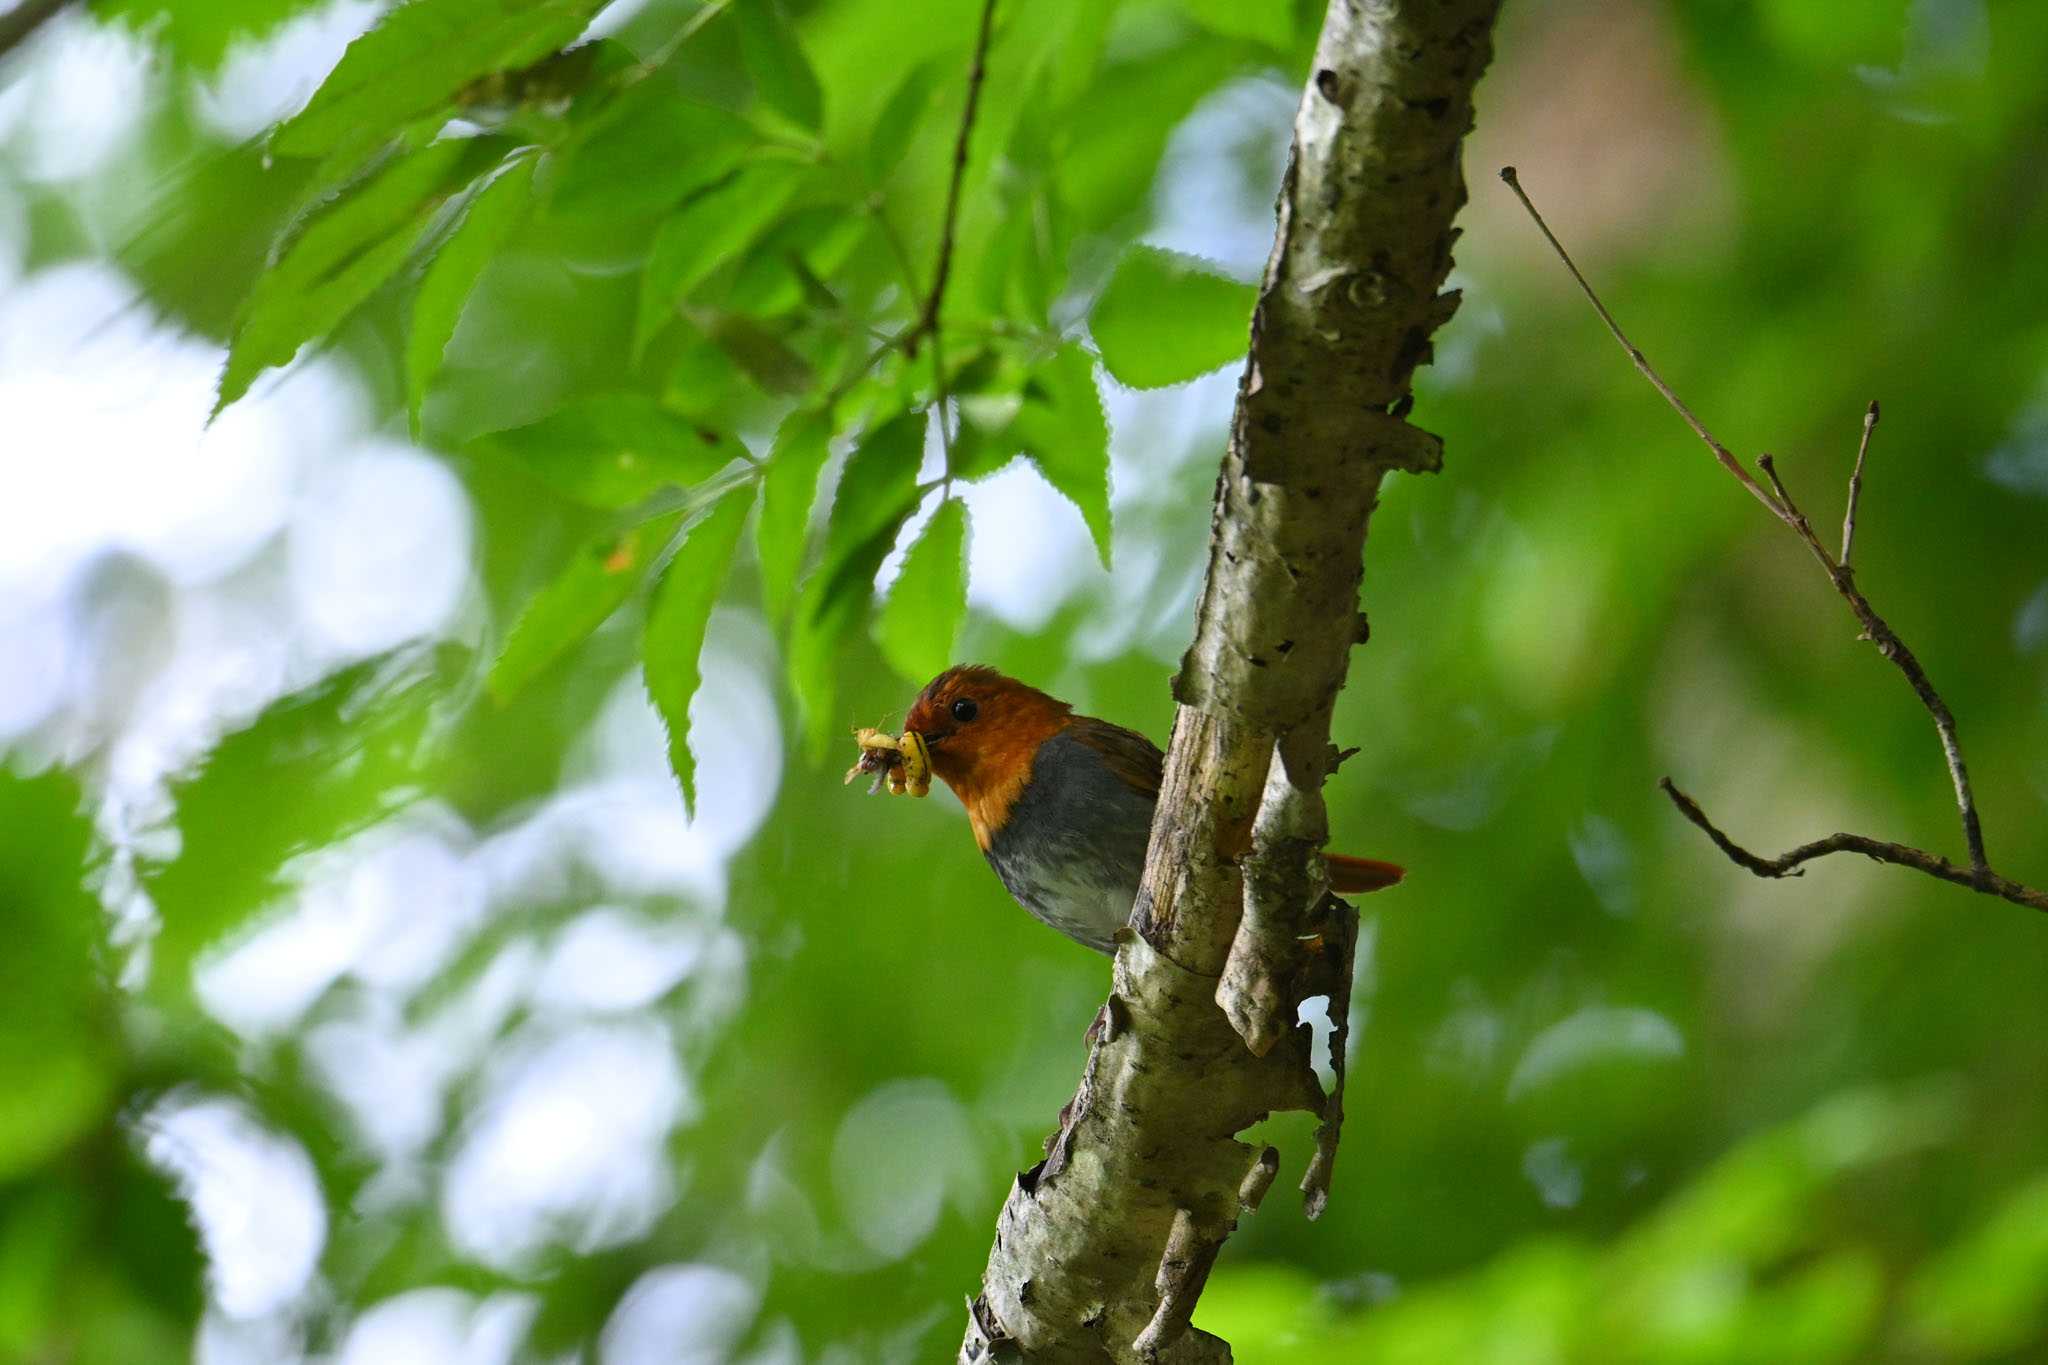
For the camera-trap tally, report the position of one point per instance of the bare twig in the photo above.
(1879, 632)
(1979, 875)
(1642, 363)
(1770, 469)
(19, 24)
(1789, 864)
(928, 321)
(1856, 484)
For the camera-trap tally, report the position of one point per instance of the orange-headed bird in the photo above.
(1061, 804)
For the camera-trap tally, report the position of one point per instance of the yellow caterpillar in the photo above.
(902, 758)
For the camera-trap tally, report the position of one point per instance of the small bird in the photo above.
(1061, 804)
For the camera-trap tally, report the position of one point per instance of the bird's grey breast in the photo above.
(1073, 848)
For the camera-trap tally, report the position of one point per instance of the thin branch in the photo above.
(1888, 643)
(928, 320)
(1876, 629)
(1770, 468)
(1879, 632)
(1789, 864)
(19, 24)
(1642, 363)
(1856, 484)
(927, 324)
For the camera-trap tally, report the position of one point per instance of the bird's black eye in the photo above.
(965, 710)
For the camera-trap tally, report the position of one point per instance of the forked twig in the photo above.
(1642, 363)
(1789, 863)
(1978, 876)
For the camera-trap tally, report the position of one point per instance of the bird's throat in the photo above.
(989, 777)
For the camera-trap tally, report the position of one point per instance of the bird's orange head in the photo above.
(983, 731)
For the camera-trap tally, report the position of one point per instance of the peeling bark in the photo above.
(1102, 1249)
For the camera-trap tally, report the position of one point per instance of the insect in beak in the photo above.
(903, 761)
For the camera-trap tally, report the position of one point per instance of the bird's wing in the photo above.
(1139, 763)
(1127, 753)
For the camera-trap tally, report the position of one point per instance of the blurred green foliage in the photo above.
(96, 1260)
(1610, 1099)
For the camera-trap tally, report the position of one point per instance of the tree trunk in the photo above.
(1102, 1249)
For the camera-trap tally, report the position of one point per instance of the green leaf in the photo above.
(676, 620)
(599, 578)
(613, 450)
(1063, 431)
(58, 1089)
(156, 1248)
(493, 214)
(651, 151)
(337, 259)
(877, 493)
(989, 391)
(921, 620)
(817, 240)
(1124, 119)
(894, 127)
(709, 231)
(1271, 24)
(782, 75)
(314, 767)
(200, 34)
(789, 487)
(768, 360)
(42, 1223)
(58, 1065)
(1167, 318)
(1019, 277)
(704, 382)
(417, 59)
(829, 612)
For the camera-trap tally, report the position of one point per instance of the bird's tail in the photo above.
(1349, 876)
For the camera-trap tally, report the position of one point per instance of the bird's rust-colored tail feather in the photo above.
(1350, 876)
